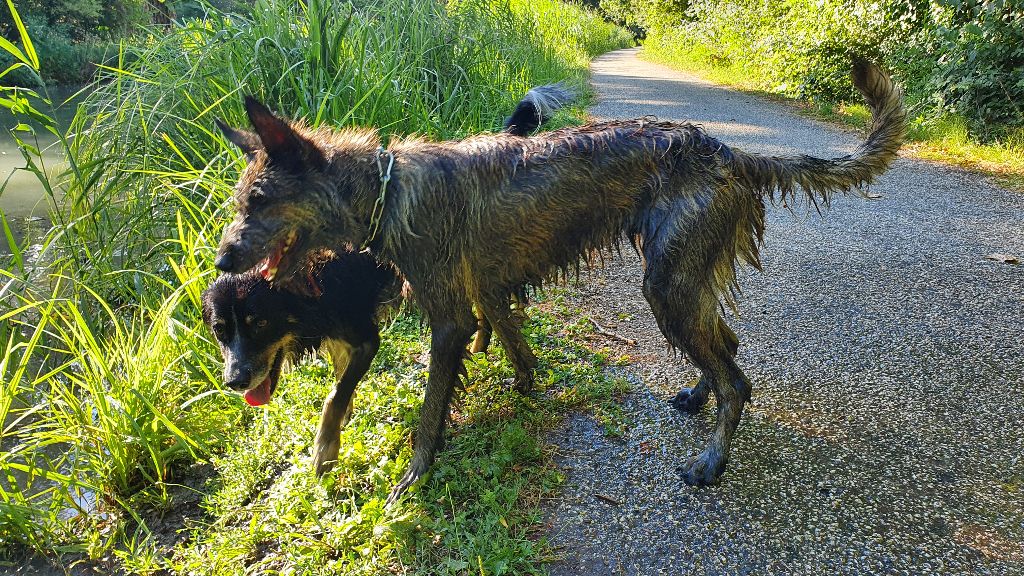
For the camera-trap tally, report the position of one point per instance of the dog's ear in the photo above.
(282, 143)
(247, 142)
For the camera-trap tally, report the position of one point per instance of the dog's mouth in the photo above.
(260, 394)
(279, 257)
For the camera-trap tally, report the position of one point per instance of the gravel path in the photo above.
(886, 434)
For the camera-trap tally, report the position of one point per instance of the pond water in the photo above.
(24, 203)
(23, 199)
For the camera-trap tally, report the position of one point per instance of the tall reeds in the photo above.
(106, 376)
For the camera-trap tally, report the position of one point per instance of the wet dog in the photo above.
(259, 328)
(334, 306)
(470, 222)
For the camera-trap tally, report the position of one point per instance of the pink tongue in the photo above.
(271, 262)
(259, 395)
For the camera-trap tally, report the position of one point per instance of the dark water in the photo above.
(23, 199)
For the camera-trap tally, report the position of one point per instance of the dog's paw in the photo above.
(691, 400)
(704, 469)
(523, 384)
(325, 454)
(408, 479)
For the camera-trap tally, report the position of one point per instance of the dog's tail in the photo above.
(537, 106)
(819, 178)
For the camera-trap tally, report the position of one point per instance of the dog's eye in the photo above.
(257, 195)
(220, 331)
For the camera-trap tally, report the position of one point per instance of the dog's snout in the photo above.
(225, 262)
(238, 379)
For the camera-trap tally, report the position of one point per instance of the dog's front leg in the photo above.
(447, 348)
(350, 365)
(508, 325)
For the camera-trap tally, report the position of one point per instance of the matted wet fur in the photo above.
(472, 221)
(333, 305)
(259, 328)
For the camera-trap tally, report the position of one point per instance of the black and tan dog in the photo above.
(472, 221)
(335, 305)
(259, 327)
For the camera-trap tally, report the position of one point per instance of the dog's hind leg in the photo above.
(508, 325)
(684, 248)
(448, 338)
(697, 329)
(482, 339)
(350, 365)
(691, 400)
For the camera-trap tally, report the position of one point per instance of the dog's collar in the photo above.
(378, 205)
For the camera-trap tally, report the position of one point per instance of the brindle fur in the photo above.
(333, 305)
(472, 221)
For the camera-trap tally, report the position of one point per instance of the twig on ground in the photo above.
(605, 332)
(607, 498)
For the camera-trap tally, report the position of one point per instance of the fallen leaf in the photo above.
(1004, 258)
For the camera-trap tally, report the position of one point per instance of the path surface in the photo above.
(887, 430)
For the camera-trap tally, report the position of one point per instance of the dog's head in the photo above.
(290, 200)
(254, 328)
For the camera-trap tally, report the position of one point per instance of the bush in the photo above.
(71, 36)
(965, 58)
(979, 72)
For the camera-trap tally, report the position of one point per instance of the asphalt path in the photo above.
(886, 434)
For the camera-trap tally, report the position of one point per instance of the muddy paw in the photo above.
(523, 385)
(691, 400)
(408, 479)
(704, 469)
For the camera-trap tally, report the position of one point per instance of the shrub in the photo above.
(979, 71)
(965, 58)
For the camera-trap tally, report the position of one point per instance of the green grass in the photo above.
(110, 404)
(944, 138)
(477, 512)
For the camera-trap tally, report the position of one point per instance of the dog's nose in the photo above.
(224, 261)
(238, 379)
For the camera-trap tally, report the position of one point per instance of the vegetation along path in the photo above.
(885, 433)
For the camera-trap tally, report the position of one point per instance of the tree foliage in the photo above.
(953, 56)
(979, 69)
(75, 35)
(83, 19)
